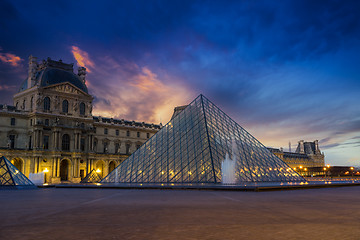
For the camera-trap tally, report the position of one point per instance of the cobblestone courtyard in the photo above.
(331, 213)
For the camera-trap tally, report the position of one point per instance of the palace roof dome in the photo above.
(55, 72)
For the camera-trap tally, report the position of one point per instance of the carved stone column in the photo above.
(58, 168)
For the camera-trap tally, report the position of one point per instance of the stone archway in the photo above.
(64, 170)
(112, 166)
(18, 163)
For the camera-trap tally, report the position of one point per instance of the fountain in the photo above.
(228, 167)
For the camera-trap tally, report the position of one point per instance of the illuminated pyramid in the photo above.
(92, 177)
(191, 147)
(11, 176)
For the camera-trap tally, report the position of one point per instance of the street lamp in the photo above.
(45, 171)
(352, 171)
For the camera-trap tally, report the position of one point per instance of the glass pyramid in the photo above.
(191, 147)
(11, 176)
(92, 177)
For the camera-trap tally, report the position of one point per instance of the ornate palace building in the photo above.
(307, 154)
(51, 128)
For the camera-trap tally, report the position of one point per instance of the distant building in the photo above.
(307, 154)
(51, 127)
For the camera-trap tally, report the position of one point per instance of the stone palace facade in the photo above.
(307, 154)
(51, 128)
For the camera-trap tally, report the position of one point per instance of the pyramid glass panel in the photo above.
(191, 147)
(11, 176)
(92, 177)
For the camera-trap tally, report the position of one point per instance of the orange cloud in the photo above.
(82, 58)
(141, 96)
(10, 58)
(6, 87)
(147, 81)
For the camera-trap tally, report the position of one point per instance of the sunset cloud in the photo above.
(6, 87)
(135, 93)
(10, 58)
(82, 58)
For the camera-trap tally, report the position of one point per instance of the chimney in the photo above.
(289, 146)
(82, 74)
(301, 146)
(32, 71)
(317, 146)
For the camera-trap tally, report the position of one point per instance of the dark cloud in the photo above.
(284, 64)
(7, 13)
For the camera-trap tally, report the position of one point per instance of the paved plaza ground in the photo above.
(328, 213)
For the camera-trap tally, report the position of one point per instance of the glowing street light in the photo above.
(45, 171)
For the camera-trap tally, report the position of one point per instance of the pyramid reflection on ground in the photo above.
(191, 147)
(11, 176)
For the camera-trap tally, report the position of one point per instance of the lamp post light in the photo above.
(45, 171)
(325, 171)
(352, 171)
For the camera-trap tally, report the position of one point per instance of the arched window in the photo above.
(65, 142)
(82, 108)
(65, 106)
(31, 103)
(46, 104)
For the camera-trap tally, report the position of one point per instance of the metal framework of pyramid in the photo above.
(191, 147)
(92, 177)
(11, 176)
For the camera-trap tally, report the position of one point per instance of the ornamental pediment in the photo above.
(67, 88)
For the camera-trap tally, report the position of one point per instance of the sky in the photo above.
(284, 70)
